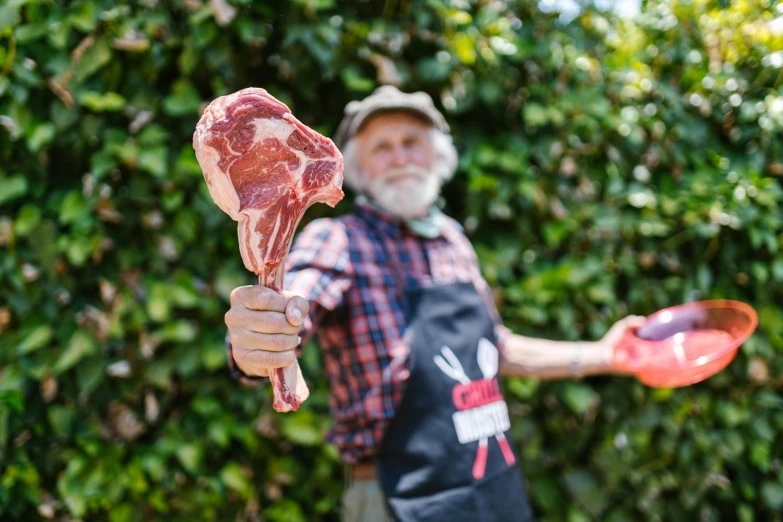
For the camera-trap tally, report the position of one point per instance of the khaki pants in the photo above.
(363, 502)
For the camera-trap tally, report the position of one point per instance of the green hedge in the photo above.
(607, 168)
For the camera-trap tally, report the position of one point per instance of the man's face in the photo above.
(395, 157)
(393, 140)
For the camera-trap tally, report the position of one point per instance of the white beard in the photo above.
(406, 198)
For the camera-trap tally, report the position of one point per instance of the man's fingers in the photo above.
(258, 298)
(637, 319)
(256, 362)
(247, 340)
(296, 310)
(631, 321)
(260, 322)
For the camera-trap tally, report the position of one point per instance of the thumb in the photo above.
(627, 356)
(296, 309)
(632, 321)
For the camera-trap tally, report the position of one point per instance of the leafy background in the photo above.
(608, 167)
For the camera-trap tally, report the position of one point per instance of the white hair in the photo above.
(443, 166)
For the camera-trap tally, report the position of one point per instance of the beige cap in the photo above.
(384, 99)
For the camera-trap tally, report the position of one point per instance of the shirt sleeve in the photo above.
(318, 269)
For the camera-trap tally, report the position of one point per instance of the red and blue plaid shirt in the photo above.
(353, 270)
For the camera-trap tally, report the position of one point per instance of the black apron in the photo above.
(446, 455)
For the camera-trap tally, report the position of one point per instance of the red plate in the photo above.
(685, 344)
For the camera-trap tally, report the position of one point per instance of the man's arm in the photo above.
(547, 359)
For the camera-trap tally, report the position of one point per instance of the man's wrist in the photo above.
(577, 371)
(594, 358)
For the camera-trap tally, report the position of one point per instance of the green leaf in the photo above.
(77, 505)
(744, 513)
(159, 373)
(80, 345)
(535, 115)
(585, 489)
(219, 433)
(353, 80)
(95, 58)
(12, 188)
(227, 279)
(36, 339)
(183, 100)
(123, 513)
(546, 494)
(206, 406)
(772, 495)
(27, 219)
(158, 306)
(29, 32)
(84, 19)
(315, 5)
(42, 135)
(464, 47)
(579, 397)
(763, 429)
(285, 510)
(732, 414)
(187, 163)
(90, 373)
(73, 208)
(42, 241)
(13, 399)
(184, 297)
(155, 161)
(300, 429)
(59, 36)
(760, 456)
(190, 455)
(180, 331)
(213, 356)
(9, 16)
(78, 250)
(603, 294)
(61, 419)
(152, 135)
(523, 388)
(433, 70)
(234, 478)
(95, 101)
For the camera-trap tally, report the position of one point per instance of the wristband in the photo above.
(576, 369)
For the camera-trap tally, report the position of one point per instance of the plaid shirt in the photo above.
(353, 270)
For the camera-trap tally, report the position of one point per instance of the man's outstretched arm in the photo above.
(546, 359)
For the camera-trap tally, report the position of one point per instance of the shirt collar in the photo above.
(429, 227)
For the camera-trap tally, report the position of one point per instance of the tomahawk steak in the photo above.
(264, 168)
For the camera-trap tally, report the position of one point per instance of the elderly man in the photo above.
(411, 338)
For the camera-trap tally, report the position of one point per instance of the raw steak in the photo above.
(264, 168)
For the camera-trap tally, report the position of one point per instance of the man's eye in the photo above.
(383, 147)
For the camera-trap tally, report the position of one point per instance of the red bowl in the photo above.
(685, 344)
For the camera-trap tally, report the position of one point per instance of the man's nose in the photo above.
(399, 155)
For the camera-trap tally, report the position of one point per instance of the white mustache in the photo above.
(411, 170)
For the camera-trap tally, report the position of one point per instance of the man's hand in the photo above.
(263, 328)
(609, 341)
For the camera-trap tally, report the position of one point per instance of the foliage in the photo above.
(608, 167)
